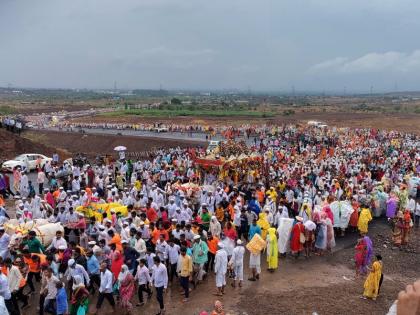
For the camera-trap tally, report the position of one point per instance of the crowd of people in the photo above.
(170, 222)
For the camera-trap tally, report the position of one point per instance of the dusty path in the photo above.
(325, 285)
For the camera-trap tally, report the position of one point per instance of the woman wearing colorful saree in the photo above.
(126, 289)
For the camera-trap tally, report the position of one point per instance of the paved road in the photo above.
(173, 135)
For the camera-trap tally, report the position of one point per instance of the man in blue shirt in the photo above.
(61, 299)
(254, 229)
(93, 271)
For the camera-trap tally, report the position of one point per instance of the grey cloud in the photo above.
(265, 44)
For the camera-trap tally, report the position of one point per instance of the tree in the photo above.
(176, 101)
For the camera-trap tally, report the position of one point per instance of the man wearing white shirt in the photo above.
(40, 180)
(57, 241)
(160, 281)
(171, 207)
(140, 245)
(5, 293)
(161, 246)
(49, 290)
(172, 252)
(143, 278)
(105, 289)
(237, 263)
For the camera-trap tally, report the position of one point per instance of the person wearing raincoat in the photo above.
(263, 224)
(364, 218)
(272, 249)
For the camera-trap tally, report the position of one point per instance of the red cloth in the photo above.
(231, 233)
(116, 264)
(329, 213)
(360, 254)
(49, 198)
(151, 214)
(295, 244)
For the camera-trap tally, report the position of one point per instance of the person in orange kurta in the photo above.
(164, 232)
(115, 239)
(151, 214)
(296, 246)
(154, 233)
(34, 263)
(56, 194)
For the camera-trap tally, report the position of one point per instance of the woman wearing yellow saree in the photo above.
(373, 280)
(272, 250)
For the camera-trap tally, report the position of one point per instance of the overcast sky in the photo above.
(214, 44)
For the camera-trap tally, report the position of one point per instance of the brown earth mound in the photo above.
(13, 145)
(93, 145)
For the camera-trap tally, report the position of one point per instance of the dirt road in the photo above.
(325, 285)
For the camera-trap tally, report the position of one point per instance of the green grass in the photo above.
(186, 112)
(7, 110)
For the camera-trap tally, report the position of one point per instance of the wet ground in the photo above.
(325, 285)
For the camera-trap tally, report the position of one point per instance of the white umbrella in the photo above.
(120, 148)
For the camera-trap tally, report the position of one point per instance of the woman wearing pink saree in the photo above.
(126, 289)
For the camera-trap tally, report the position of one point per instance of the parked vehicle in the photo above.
(27, 161)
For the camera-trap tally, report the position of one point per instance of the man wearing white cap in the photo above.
(62, 197)
(75, 184)
(220, 268)
(210, 201)
(171, 207)
(200, 257)
(74, 269)
(237, 263)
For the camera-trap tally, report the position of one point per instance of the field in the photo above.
(186, 112)
(405, 122)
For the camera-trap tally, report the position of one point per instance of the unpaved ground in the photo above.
(93, 145)
(318, 285)
(325, 285)
(13, 145)
(390, 121)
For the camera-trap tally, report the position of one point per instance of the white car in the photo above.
(161, 129)
(26, 162)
